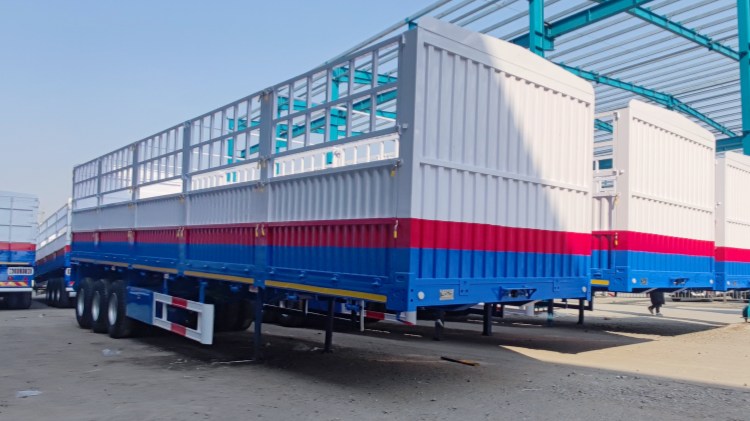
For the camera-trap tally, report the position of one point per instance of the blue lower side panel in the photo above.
(732, 276)
(140, 305)
(20, 257)
(53, 267)
(406, 278)
(630, 271)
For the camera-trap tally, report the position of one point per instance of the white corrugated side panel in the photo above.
(120, 216)
(502, 136)
(733, 212)
(227, 205)
(18, 213)
(343, 194)
(54, 232)
(161, 212)
(668, 184)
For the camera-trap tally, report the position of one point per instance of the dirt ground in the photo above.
(623, 364)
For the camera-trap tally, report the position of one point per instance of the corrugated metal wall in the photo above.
(498, 143)
(733, 212)
(668, 183)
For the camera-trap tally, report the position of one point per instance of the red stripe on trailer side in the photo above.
(17, 246)
(178, 329)
(179, 302)
(652, 243)
(731, 254)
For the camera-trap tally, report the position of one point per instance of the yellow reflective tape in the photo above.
(220, 277)
(155, 268)
(600, 282)
(328, 291)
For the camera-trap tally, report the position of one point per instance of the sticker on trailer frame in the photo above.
(67, 271)
(447, 294)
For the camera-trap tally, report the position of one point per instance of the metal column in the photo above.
(487, 319)
(743, 26)
(536, 27)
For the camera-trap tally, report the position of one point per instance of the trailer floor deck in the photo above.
(624, 364)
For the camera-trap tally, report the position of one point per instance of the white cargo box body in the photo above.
(732, 222)
(473, 188)
(654, 210)
(18, 213)
(53, 243)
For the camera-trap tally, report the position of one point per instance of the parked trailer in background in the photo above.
(18, 213)
(53, 258)
(654, 209)
(732, 222)
(437, 169)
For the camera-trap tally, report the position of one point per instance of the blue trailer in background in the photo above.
(53, 274)
(18, 213)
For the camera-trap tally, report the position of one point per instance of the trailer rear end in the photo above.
(732, 223)
(654, 205)
(18, 213)
(53, 258)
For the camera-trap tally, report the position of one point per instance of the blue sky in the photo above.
(80, 78)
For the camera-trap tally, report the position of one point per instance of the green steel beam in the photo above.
(604, 10)
(666, 100)
(537, 33)
(743, 35)
(729, 144)
(687, 33)
(603, 126)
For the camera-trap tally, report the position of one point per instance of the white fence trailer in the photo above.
(732, 222)
(18, 213)
(653, 210)
(53, 258)
(437, 169)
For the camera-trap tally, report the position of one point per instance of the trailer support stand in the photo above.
(439, 325)
(258, 322)
(329, 326)
(581, 309)
(487, 320)
(550, 312)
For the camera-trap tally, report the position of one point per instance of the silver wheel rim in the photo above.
(112, 310)
(95, 306)
(80, 303)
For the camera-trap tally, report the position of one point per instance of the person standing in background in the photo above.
(657, 300)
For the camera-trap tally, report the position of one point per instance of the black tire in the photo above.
(83, 303)
(225, 316)
(64, 299)
(99, 306)
(47, 294)
(55, 293)
(118, 323)
(23, 301)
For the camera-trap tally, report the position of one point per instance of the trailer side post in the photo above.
(580, 311)
(487, 319)
(550, 312)
(439, 325)
(257, 333)
(329, 326)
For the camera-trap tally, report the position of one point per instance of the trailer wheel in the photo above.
(118, 324)
(47, 295)
(99, 306)
(63, 299)
(83, 303)
(55, 293)
(23, 301)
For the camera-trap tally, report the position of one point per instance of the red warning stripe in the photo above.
(179, 302)
(178, 329)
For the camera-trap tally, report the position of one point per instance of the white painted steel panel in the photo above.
(54, 232)
(733, 202)
(18, 213)
(161, 212)
(665, 181)
(228, 205)
(339, 194)
(501, 136)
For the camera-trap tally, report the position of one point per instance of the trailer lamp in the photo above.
(634, 281)
(420, 295)
(711, 281)
(584, 289)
